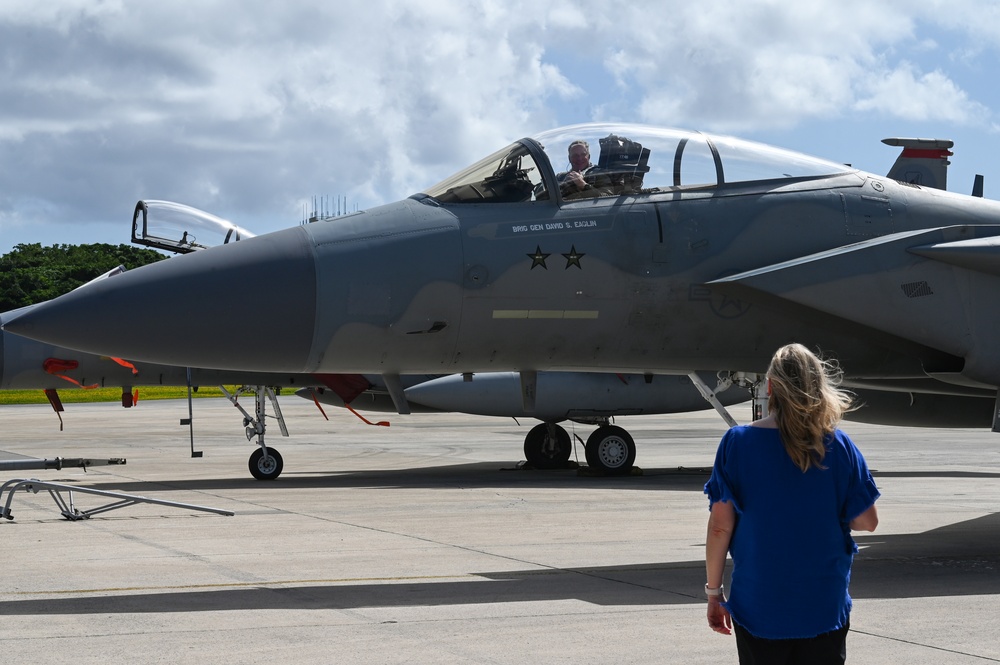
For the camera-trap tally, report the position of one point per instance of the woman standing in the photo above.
(784, 495)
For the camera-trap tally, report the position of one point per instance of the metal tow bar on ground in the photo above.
(71, 512)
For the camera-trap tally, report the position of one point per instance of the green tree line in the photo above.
(31, 273)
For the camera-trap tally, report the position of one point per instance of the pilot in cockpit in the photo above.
(574, 183)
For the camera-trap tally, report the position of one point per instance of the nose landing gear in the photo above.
(265, 463)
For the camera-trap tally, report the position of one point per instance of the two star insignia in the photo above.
(539, 257)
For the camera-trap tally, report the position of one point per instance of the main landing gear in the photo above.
(609, 449)
(265, 463)
(547, 446)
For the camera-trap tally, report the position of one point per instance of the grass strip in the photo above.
(71, 395)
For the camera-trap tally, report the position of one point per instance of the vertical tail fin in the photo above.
(922, 161)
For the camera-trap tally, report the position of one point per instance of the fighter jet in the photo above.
(593, 399)
(674, 250)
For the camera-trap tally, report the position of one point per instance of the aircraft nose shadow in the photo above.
(958, 559)
(627, 585)
(476, 474)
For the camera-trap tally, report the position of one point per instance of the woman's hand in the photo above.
(718, 616)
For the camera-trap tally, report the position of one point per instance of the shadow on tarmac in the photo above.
(959, 559)
(450, 476)
(478, 474)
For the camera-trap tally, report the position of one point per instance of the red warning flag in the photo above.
(56, 367)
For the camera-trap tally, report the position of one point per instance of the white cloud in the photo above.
(909, 94)
(247, 108)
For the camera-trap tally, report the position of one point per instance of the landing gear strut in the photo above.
(265, 463)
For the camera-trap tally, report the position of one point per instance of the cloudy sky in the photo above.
(248, 108)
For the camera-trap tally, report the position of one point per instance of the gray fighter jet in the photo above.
(586, 398)
(673, 250)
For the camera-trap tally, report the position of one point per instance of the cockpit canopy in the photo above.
(624, 160)
(181, 229)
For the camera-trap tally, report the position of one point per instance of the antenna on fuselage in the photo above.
(323, 209)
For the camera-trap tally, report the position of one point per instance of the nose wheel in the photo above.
(265, 464)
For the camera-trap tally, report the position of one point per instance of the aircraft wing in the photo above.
(936, 288)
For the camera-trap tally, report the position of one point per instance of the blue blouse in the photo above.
(791, 548)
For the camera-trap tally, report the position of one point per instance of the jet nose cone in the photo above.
(216, 308)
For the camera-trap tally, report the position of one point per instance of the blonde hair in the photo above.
(806, 402)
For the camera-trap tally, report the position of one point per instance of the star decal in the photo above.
(538, 258)
(729, 307)
(573, 258)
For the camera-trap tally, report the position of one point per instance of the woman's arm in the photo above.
(720, 531)
(866, 521)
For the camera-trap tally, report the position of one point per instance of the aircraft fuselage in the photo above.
(646, 280)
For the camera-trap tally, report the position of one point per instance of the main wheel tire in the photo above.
(265, 467)
(547, 446)
(611, 450)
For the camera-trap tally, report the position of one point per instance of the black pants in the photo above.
(826, 649)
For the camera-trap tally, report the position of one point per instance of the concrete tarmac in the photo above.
(420, 543)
